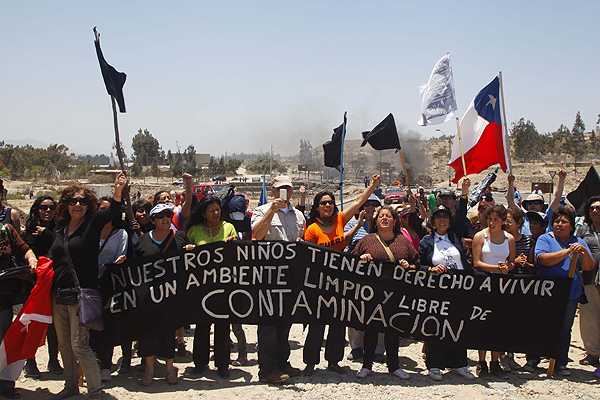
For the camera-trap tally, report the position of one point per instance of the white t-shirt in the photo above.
(445, 253)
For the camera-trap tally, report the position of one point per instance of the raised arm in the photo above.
(362, 198)
(261, 221)
(560, 187)
(510, 193)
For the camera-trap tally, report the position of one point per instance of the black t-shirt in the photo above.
(147, 247)
(84, 245)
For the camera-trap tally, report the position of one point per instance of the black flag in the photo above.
(384, 136)
(590, 186)
(113, 79)
(332, 149)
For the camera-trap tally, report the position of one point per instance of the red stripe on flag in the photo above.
(488, 151)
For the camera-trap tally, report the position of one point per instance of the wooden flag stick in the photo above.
(572, 268)
(121, 157)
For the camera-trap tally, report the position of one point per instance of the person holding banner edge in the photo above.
(326, 228)
(442, 251)
(553, 253)
(385, 243)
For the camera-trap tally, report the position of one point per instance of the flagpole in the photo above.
(120, 155)
(460, 146)
(506, 139)
(342, 164)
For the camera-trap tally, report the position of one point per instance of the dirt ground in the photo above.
(244, 384)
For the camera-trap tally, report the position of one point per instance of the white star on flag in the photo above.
(491, 101)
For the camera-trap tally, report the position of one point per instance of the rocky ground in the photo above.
(244, 384)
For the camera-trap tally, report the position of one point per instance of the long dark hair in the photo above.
(586, 210)
(314, 210)
(33, 219)
(198, 216)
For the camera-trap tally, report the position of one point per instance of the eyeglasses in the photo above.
(44, 207)
(326, 203)
(536, 202)
(84, 201)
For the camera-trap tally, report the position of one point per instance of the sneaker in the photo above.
(54, 367)
(505, 363)
(465, 372)
(355, 355)
(363, 373)
(496, 369)
(482, 369)
(435, 374)
(589, 360)
(31, 370)
(563, 371)
(400, 373)
(597, 373)
(530, 366)
(309, 370)
(274, 378)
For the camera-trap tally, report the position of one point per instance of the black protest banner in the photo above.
(253, 282)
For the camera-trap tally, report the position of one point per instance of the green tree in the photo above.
(526, 140)
(262, 164)
(146, 148)
(576, 143)
(189, 159)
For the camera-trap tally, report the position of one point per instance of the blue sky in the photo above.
(240, 76)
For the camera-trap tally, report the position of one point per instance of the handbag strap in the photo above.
(167, 243)
(386, 248)
(70, 260)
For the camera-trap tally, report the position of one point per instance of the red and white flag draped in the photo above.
(28, 330)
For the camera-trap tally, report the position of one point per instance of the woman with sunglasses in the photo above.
(75, 255)
(39, 235)
(326, 228)
(385, 243)
(159, 341)
(207, 226)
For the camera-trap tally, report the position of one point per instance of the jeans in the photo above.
(6, 316)
(273, 347)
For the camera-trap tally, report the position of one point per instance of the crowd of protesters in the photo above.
(82, 234)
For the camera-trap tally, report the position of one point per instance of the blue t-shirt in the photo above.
(547, 243)
(526, 230)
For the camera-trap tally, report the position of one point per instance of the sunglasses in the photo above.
(536, 202)
(326, 203)
(488, 197)
(594, 208)
(44, 207)
(84, 201)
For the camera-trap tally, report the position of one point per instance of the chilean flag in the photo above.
(483, 142)
(28, 330)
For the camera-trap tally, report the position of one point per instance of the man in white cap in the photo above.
(277, 220)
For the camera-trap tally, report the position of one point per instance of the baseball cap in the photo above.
(373, 199)
(160, 207)
(280, 181)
